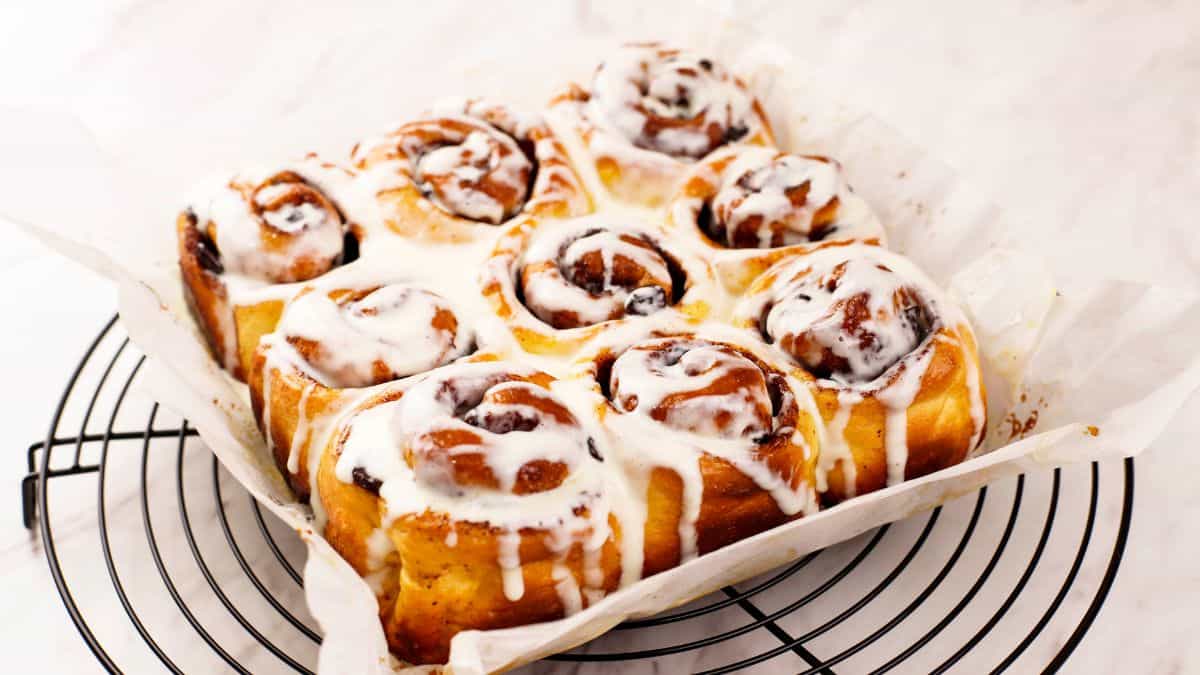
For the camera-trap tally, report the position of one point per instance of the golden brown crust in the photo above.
(209, 301)
(352, 513)
(447, 589)
(252, 322)
(204, 290)
(289, 388)
(734, 506)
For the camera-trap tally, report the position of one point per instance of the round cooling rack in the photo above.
(171, 563)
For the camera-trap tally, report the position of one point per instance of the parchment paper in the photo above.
(1077, 368)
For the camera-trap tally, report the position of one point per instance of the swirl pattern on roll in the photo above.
(670, 101)
(489, 429)
(587, 276)
(756, 197)
(488, 444)
(849, 320)
(724, 442)
(357, 338)
(281, 229)
(464, 166)
(695, 386)
(483, 479)
(891, 361)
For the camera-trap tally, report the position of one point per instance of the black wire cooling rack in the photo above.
(210, 583)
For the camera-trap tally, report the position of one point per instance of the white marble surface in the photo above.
(1078, 118)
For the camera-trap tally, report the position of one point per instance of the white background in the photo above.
(1082, 119)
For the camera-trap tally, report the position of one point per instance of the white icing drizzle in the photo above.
(569, 593)
(761, 197)
(324, 427)
(376, 334)
(515, 123)
(461, 164)
(593, 568)
(625, 490)
(287, 216)
(453, 175)
(278, 227)
(556, 182)
(428, 411)
(651, 445)
(669, 101)
(835, 450)
(509, 544)
(379, 546)
(689, 508)
(569, 119)
(646, 376)
(227, 334)
(549, 286)
(897, 398)
(300, 435)
(631, 511)
(855, 313)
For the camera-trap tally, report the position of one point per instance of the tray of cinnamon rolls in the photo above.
(516, 360)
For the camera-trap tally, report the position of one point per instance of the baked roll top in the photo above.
(755, 197)
(492, 497)
(650, 111)
(891, 360)
(556, 284)
(469, 162)
(718, 443)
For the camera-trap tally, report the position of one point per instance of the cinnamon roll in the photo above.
(891, 361)
(328, 341)
(722, 443)
(257, 229)
(651, 110)
(554, 285)
(754, 197)
(469, 163)
(491, 497)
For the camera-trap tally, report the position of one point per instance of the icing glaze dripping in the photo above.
(836, 451)
(300, 435)
(509, 558)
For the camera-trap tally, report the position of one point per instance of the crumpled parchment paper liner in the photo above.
(1099, 365)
